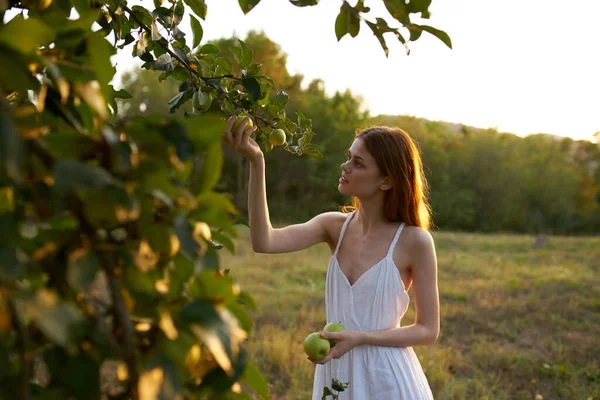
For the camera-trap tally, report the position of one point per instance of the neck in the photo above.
(370, 218)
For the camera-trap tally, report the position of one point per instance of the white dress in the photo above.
(376, 301)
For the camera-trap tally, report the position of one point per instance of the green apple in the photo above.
(333, 327)
(239, 120)
(277, 137)
(316, 347)
(201, 100)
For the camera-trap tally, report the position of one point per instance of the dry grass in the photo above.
(517, 322)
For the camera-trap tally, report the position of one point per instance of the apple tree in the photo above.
(110, 228)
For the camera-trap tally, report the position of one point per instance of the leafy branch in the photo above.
(24, 354)
(174, 54)
(337, 386)
(109, 263)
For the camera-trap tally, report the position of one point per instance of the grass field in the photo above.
(516, 322)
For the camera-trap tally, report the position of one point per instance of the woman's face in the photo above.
(360, 174)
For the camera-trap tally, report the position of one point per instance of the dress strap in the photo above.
(348, 218)
(393, 245)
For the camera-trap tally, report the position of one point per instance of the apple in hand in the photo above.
(238, 121)
(333, 327)
(316, 347)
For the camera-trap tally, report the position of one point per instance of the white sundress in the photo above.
(376, 301)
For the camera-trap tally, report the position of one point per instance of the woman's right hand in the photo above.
(240, 140)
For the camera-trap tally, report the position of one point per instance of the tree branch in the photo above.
(172, 53)
(122, 315)
(24, 350)
(108, 264)
(37, 147)
(266, 122)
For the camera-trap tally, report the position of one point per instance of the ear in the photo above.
(386, 184)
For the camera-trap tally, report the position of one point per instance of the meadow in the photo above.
(517, 322)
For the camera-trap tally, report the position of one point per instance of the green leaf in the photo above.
(176, 133)
(143, 15)
(58, 320)
(12, 264)
(185, 233)
(316, 154)
(247, 55)
(69, 144)
(76, 72)
(205, 129)
(354, 25)
(70, 175)
(252, 87)
(162, 63)
(379, 35)
(225, 64)
(82, 268)
(197, 30)
(200, 312)
(223, 241)
(347, 21)
(218, 329)
(12, 147)
(237, 54)
(211, 170)
(26, 36)
(280, 100)
(248, 5)
(247, 300)
(415, 32)
(180, 99)
(138, 282)
(415, 6)
(180, 73)
(326, 392)
(303, 122)
(338, 386)
(443, 36)
(398, 10)
(255, 379)
(170, 385)
(121, 94)
(14, 74)
(209, 48)
(304, 3)
(198, 7)
(211, 287)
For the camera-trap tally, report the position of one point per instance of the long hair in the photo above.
(398, 156)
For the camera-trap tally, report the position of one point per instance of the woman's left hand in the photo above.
(344, 342)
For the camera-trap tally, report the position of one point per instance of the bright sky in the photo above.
(521, 66)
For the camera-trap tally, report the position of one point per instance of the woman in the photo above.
(379, 249)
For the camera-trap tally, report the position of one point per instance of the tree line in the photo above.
(481, 180)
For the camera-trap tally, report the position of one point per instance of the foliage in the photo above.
(111, 227)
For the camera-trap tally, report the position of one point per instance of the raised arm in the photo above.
(263, 237)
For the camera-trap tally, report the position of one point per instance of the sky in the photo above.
(520, 66)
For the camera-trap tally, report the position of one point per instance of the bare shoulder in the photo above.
(333, 222)
(418, 236)
(418, 241)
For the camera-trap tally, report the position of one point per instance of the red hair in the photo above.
(398, 156)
